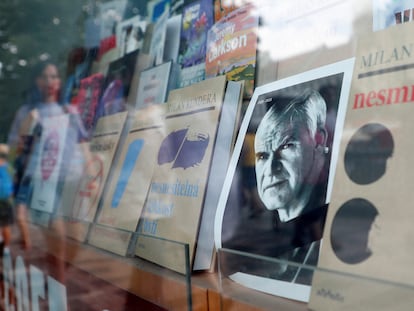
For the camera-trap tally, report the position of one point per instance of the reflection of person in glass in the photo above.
(291, 151)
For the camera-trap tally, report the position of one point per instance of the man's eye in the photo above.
(261, 156)
(287, 146)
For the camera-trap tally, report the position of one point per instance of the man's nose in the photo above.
(275, 163)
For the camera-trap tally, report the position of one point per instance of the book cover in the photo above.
(157, 38)
(277, 187)
(127, 189)
(367, 251)
(176, 194)
(172, 38)
(117, 85)
(191, 75)
(144, 61)
(102, 146)
(130, 34)
(107, 45)
(197, 19)
(226, 136)
(154, 84)
(232, 47)
(134, 168)
(87, 99)
(49, 154)
(156, 8)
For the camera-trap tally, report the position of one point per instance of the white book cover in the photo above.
(49, 161)
(130, 34)
(275, 195)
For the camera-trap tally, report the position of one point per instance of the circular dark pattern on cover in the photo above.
(350, 230)
(367, 153)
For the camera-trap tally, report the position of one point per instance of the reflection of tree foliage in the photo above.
(28, 30)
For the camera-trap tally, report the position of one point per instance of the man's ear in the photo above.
(321, 137)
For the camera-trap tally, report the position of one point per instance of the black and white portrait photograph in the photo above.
(276, 193)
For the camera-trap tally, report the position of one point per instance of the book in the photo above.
(156, 8)
(87, 99)
(143, 62)
(226, 136)
(176, 194)
(103, 145)
(197, 19)
(157, 38)
(49, 155)
(155, 83)
(127, 189)
(232, 47)
(117, 85)
(107, 45)
(172, 38)
(366, 254)
(130, 34)
(275, 194)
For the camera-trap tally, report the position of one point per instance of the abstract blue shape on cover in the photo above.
(131, 157)
(192, 152)
(170, 146)
(185, 152)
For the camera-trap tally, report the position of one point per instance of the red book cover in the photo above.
(106, 44)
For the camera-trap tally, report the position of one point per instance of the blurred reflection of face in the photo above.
(49, 83)
(284, 159)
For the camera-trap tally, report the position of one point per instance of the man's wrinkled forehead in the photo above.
(271, 132)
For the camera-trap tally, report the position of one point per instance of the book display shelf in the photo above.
(207, 155)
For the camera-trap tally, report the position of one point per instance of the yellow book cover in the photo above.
(176, 194)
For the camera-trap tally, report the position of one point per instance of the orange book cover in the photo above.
(232, 46)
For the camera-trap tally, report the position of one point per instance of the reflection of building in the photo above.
(389, 13)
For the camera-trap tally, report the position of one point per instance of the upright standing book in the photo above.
(232, 47)
(197, 19)
(130, 34)
(103, 145)
(127, 189)
(176, 194)
(154, 84)
(366, 257)
(117, 85)
(48, 163)
(275, 204)
(87, 99)
(226, 136)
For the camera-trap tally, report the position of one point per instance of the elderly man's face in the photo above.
(284, 159)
